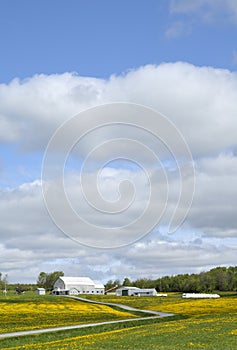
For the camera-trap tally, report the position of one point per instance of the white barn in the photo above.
(77, 285)
(134, 291)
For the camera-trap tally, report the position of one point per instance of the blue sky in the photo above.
(100, 38)
(58, 58)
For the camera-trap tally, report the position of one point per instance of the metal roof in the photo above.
(98, 284)
(77, 280)
(81, 281)
(137, 289)
(125, 287)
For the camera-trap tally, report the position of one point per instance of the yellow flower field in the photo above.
(19, 313)
(199, 324)
(175, 304)
(208, 333)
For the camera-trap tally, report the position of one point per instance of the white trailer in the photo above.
(200, 296)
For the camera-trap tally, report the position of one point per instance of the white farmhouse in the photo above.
(134, 291)
(77, 285)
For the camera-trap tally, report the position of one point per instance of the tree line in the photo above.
(217, 279)
(45, 280)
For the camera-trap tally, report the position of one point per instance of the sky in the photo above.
(60, 58)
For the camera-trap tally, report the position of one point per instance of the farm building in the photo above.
(77, 285)
(134, 291)
(200, 295)
(40, 291)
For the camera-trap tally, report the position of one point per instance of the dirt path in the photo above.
(63, 328)
(124, 307)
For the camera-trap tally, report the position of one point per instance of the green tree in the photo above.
(127, 282)
(109, 285)
(51, 279)
(112, 285)
(41, 281)
(47, 280)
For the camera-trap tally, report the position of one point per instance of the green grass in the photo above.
(31, 311)
(199, 324)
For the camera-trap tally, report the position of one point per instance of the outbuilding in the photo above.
(40, 291)
(77, 285)
(134, 291)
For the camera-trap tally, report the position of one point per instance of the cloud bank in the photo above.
(200, 101)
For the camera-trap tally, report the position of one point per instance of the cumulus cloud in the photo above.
(175, 256)
(41, 104)
(200, 101)
(31, 242)
(214, 207)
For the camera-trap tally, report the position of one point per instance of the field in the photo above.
(25, 312)
(198, 324)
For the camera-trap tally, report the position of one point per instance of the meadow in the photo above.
(198, 324)
(30, 311)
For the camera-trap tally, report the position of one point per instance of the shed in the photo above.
(134, 291)
(40, 291)
(77, 285)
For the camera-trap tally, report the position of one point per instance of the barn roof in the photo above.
(78, 280)
(125, 287)
(137, 289)
(98, 284)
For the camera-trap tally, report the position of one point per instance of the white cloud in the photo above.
(206, 10)
(201, 101)
(164, 257)
(177, 29)
(214, 207)
(33, 108)
(186, 14)
(31, 242)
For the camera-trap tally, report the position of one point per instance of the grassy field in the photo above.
(31, 311)
(198, 324)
